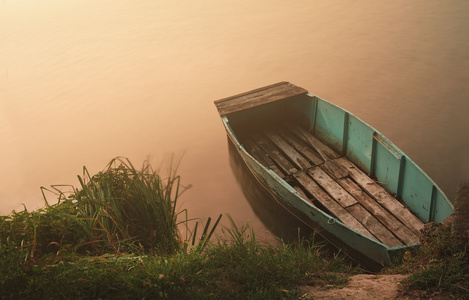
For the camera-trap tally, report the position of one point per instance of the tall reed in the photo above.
(126, 208)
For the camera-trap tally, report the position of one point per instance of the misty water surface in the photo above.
(83, 81)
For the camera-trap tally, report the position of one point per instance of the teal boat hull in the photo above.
(363, 145)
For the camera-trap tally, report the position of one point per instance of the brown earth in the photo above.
(362, 286)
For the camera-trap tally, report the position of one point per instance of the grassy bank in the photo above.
(116, 236)
(241, 269)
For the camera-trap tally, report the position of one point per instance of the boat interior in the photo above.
(331, 182)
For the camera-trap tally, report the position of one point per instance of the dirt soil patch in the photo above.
(362, 286)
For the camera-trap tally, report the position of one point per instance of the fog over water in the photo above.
(83, 81)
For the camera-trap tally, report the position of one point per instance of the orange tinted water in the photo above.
(84, 81)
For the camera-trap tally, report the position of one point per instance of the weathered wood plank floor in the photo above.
(350, 195)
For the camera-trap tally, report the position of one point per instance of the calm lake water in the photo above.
(83, 81)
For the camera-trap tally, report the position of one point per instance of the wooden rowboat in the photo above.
(333, 171)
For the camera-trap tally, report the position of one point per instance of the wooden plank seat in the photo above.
(258, 97)
(356, 200)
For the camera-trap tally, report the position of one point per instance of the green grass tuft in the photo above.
(126, 208)
(439, 266)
